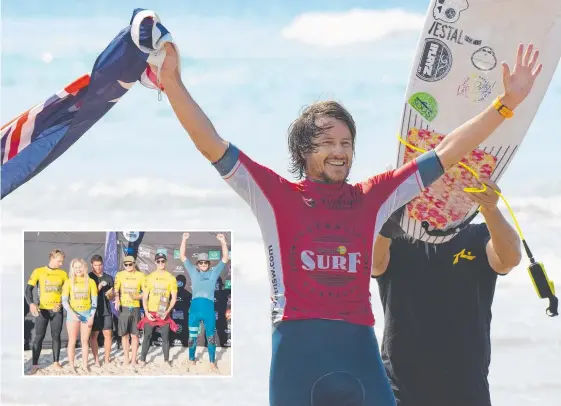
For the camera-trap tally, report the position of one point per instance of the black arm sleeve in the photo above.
(29, 294)
(391, 228)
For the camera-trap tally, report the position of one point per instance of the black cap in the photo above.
(160, 255)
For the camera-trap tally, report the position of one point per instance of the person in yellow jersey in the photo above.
(158, 288)
(50, 279)
(79, 298)
(128, 292)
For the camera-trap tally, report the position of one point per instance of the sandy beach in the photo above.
(155, 365)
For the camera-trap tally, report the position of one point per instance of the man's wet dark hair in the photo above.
(303, 131)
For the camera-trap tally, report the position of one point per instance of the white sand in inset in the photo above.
(155, 365)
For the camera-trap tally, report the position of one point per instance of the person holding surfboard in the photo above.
(318, 234)
(437, 299)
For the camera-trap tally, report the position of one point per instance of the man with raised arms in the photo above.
(203, 282)
(319, 233)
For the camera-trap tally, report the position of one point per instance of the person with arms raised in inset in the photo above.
(79, 298)
(128, 292)
(203, 282)
(50, 278)
(159, 286)
(103, 320)
(319, 233)
(437, 302)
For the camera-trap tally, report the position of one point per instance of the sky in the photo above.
(250, 87)
(251, 65)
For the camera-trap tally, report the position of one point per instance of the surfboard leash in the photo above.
(543, 286)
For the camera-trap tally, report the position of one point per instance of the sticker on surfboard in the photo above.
(476, 88)
(484, 59)
(456, 73)
(435, 61)
(449, 10)
(425, 105)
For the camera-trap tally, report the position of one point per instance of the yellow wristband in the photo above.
(502, 109)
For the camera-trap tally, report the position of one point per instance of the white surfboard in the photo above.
(456, 74)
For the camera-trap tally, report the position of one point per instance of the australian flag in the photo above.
(33, 140)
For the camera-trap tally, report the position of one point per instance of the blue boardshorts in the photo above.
(327, 363)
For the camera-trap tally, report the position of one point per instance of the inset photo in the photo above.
(129, 303)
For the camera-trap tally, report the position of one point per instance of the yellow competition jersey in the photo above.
(129, 282)
(50, 285)
(80, 294)
(159, 284)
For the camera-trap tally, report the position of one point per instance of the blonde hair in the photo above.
(72, 273)
(56, 252)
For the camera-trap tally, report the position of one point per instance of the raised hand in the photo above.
(185, 236)
(170, 67)
(221, 237)
(520, 81)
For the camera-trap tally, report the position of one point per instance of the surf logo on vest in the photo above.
(332, 259)
(435, 61)
(449, 10)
